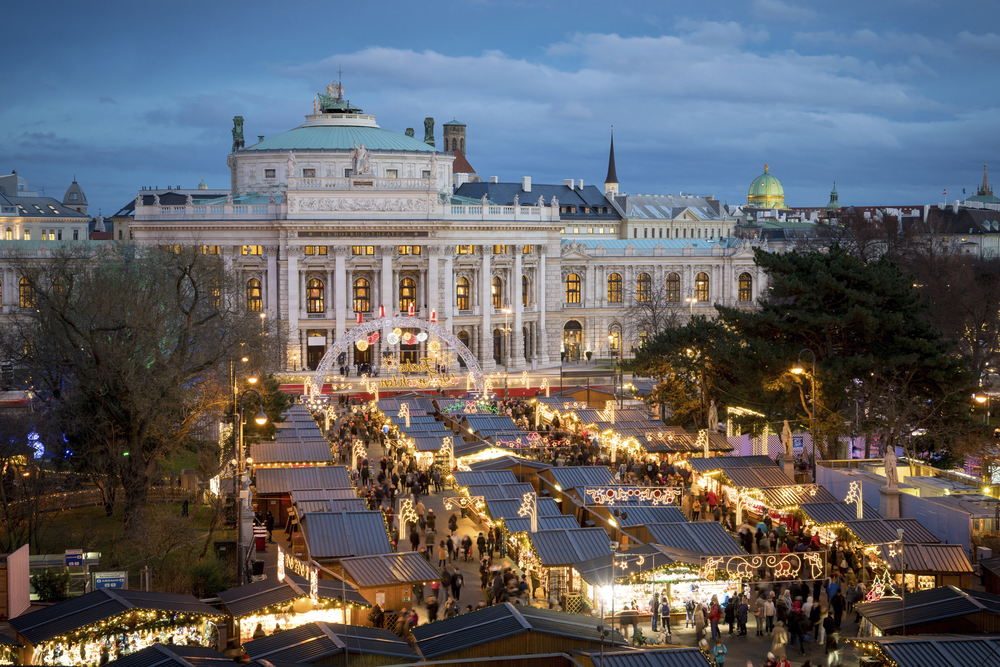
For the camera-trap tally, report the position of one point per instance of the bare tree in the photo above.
(649, 308)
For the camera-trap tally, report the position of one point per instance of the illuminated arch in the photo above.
(347, 340)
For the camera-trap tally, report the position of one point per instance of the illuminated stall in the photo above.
(289, 604)
(389, 579)
(106, 624)
(551, 556)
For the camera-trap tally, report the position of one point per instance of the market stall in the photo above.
(934, 611)
(288, 604)
(551, 556)
(273, 486)
(332, 644)
(924, 651)
(389, 579)
(93, 628)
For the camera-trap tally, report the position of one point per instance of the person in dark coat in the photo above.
(481, 545)
(269, 524)
(730, 613)
(414, 540)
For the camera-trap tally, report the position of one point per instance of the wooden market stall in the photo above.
(928, 565)
(331, 536)
(273, 486)
(389, 579)
(291, 454)
(111, 623)
(331, 644)
(926, 651)
(173, 655)
(551, 556)
(934, 611)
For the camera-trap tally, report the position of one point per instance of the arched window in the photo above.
(254, 302)
(498, 356)
(463, 338)
(673, 291)
(643, 288)
(26, 295)
(525, 292)
(701, 287)
(497, 292)
(614, 288)
(572, 288)
(746, 287)
(407, 294)
(10, 234)
(462, 294)
(59, 286)
(362, 296)
(314, 296)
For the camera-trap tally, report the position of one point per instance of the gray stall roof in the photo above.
(504, 509)
(703, 465)
(174, 655)
(344, 534)
(243, 600)
(313, 642)
(570, 477)
(929, 606)
(570, 546)
(876, 531)
(823, 514)
(483, 478)
(707, 537)
(388, 569)
(272, 481)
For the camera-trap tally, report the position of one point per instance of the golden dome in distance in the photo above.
(766, 192)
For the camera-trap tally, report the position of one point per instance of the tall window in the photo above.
(746, 287)
(501, 249)
(315, 249)
(497, 292)
(615, 288)
(362, 296)
(10, 234)
(409, 250)
(314, 296)
(363, 250)
(701, 287)
(465, 250)
(254, 302)
(26, 294)
(214, 293)
(462, 293)
(463, 338)
(528, 249)
(210, 250)
(572, 288)
(525, 295)
(407, 294)
(673, 288)
(252, 250)
(643, 288)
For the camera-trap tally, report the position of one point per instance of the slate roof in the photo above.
(501, 491)
(270, 481)
(483, 478)
(948, 558)
(823, 514)
(388, 569)
(935, 651)
(313, 642)
(340, 138)
(670, 207)
(278, 452)
(503, 194)
(502, 621)
(59, 619)
(570, 477)
(929, 606)
(506, 509)
(168, 655)
(250, 598)
(782, 497)
(569, 546)
(343, 534)
(509, 462)
(522, 525)
(708, 537)
(43, 207)
(703, 465)
(875, 531)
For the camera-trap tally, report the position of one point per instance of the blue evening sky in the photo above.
(894, 99)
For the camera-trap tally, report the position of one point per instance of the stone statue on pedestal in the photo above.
(786, 439)
(891, 476)
(713, 418)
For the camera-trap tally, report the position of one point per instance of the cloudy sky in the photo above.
(894, 99)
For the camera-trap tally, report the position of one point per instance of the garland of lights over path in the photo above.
(363, 330)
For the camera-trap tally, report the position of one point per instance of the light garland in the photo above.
(784, 565)
(529, 507)
(658, 495)
(854, 495)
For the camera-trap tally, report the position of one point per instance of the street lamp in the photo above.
(691, 301)
(506, 345)
(621, 371)
(797, 369)
(260, 419)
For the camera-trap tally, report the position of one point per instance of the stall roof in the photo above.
(344, 534)
(429, 443)
(272, 481)
(646, 514)
(666, 439)
(875, 531)
(249, 598)
(597, 571)
(492, 422)
(388, 569)
(508, 508)
(501, 491)
(463, 448)
(661, 657)
(413, 401)
(59, 619)
(502, 621)
(703, 465)
(950, 558)
(570, 546)
(781, 497)
(708, 537)
(570, 477)
(312, 642)
(300, 495)
(313, 451)
(622, 417)
(757, 478)
(935, 651)
(523, 525)
(331, 505)
(929, 606)
(507, 462)
(483, 478)
(824, 514)
(174, 655)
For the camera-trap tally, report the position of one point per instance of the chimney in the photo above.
(954, 207)
(526, 183)
(568, 182)
(494, 179)
(260, 138)
(579, 184)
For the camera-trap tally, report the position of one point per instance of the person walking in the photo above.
(624, 621)
(699, 623)
(654, 609)
(457, 580)
(665, 614)
(828, 628)
(714, 615)
(741, 616)
(730, 613)
(769, 614)
(779, 640)
(719, 653)
(481, 545)
(689, 613)
(442, 554)
(758, 615)
(838, 603)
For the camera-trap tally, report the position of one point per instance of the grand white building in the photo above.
(338, 217)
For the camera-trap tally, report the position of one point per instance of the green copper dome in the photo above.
(766, 192)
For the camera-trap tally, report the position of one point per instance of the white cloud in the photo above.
(775, 10)
(988, 42)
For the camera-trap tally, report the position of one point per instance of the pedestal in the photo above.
(888, 503)
(788, 465)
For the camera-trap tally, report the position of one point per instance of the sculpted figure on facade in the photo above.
(156, 200)
(891, 474)
(541, 201)
(290, 166)
(229, 198)
(515, 201)
(270, 200)
(786, 439)
(360, 159)
(189, 200)
(138, 200)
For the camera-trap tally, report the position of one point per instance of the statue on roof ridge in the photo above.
(335, 90)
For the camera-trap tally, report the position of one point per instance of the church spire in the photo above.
(611, 180)
(985, 189)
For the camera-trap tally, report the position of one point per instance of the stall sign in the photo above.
(74, 557)
(110, 580)
(406, 595)
(798, 443)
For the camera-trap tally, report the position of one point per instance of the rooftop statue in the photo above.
(429, 131)
(360, 159)
(237, 133)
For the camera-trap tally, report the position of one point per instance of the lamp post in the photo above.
(506, 345)
(902, 568)
(261, 419)
(691, 301)
(621, 371)
(799, 370)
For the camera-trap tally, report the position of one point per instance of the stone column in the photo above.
(293, 254)
(486, 302)
(516, 352)
(340, 288)
(432, 280)
(447, 313)
(330, 295)
(299, 305)
(542, 280)
(388, 252)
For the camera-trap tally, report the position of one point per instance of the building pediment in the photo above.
(574, 250)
